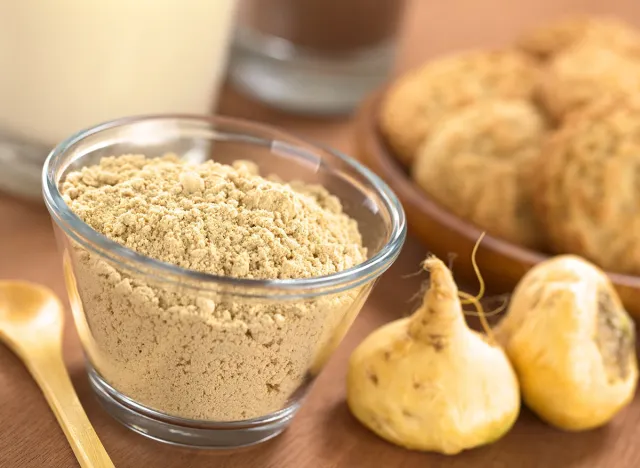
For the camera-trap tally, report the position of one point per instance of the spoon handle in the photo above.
(48, 369)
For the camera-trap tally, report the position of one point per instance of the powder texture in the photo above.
(208, 354)
(215, 218)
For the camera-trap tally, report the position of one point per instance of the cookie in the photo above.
(588, 185)
(547, 41)
(477, 164)
(585, 72)
(418, 100)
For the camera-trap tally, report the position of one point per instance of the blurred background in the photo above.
(71, 64)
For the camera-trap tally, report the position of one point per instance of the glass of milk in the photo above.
(69, 64)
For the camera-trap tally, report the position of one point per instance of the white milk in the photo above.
(69, 64)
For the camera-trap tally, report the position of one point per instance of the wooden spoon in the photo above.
(31, 322)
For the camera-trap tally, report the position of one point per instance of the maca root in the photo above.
(428, 382)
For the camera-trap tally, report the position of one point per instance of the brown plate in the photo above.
(502, 263)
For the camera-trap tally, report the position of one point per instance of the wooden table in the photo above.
(324, 434)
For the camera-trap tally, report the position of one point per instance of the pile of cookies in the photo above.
(538, 144)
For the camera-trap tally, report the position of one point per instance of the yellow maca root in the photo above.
(572, 344)
(428, 382)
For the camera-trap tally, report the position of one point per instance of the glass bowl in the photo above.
(200, 360)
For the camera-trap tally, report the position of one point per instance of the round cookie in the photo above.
(588, 185)
(477, 164)
(546, 41)
(419, 99)
(585, 72)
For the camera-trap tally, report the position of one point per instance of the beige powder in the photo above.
(201, 354)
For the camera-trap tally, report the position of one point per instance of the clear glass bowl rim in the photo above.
(87, 237)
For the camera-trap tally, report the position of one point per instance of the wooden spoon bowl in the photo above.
(502, 263)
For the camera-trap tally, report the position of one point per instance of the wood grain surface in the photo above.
(324, 434)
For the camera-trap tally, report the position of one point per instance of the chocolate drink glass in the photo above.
(314, 56)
